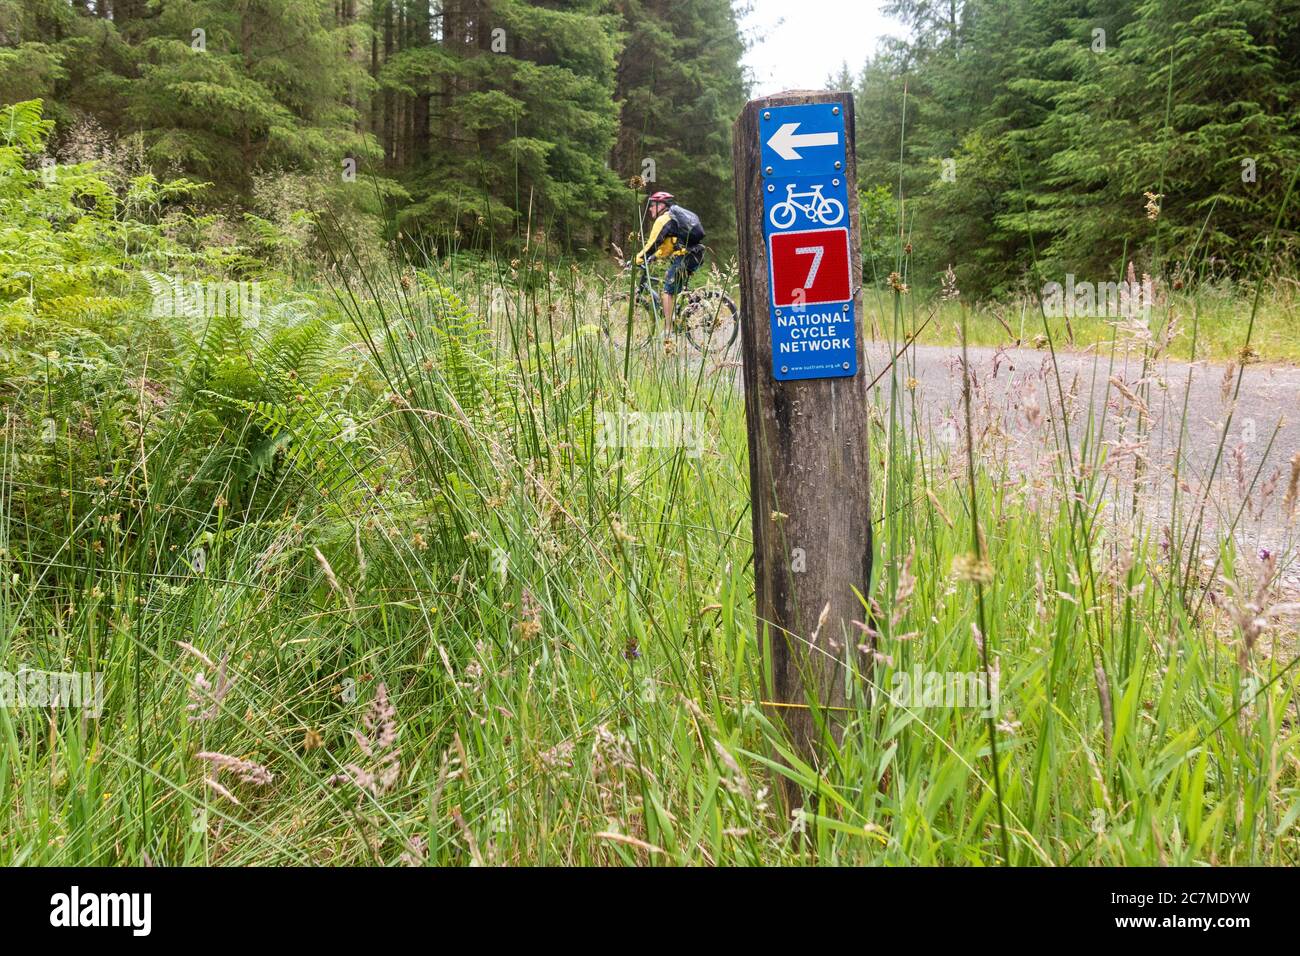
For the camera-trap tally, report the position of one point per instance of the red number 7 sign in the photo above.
(809, 267)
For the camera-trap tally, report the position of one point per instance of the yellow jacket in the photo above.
(667, 244)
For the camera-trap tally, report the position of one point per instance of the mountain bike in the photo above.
(706, 315)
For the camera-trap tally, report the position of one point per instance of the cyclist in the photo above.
(678, 237)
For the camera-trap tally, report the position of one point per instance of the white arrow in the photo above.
(787, 144)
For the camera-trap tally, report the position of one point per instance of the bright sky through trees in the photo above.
(822, 33)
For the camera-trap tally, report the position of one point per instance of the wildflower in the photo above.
(632, 651)
(1225, 386)
(559, 758)
(377, 744)
(950, 290)
(906, 585)
(1153, 205)
(247, 772)
(970, 567)
(1292, 488)
(415, 852)
(897, 284)
(869, 631)
(330, 576)
(530, 616)
(206, 696)
(733, 778)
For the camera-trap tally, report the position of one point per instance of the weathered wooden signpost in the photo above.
(805, 398)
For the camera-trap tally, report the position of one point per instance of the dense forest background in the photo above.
(1035, 128)
(1081, 133)
(471, 117)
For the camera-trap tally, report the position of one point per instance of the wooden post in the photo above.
(808, 437)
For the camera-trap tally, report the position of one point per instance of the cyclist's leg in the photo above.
(689, 264)
(675, 278)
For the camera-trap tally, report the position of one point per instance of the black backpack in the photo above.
(690, 224)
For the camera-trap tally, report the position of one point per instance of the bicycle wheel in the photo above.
(710, 320)
(783, 214)
(614, 320)
(831, 212)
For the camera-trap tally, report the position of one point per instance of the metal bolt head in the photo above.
(768, 170)
(771, 188)
(767, 114)
(846, 307)
(846, 366)
(837, 164)
(778, 312)
(835, 182)
(785, 369)
(835, 110)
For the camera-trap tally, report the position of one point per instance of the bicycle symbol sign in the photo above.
(818, 208)
(806, 232)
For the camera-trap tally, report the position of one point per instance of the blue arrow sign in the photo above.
(806, 225)
(802, 140)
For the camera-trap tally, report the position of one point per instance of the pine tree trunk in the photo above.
(390, 105)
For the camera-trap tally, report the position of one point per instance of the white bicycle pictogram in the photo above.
(826, 211)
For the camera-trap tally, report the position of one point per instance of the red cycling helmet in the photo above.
(665, 198)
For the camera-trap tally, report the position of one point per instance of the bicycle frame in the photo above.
(814, 195)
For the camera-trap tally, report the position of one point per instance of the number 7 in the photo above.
(816, 252)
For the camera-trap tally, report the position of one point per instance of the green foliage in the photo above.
(470, 123)
(524, 119)
(70, 242)
(680, 88)
(223, 90)
(272, 392)
(1057, 132)
(565, 630)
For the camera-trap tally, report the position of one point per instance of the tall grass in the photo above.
(1223, 322)
(565, 631)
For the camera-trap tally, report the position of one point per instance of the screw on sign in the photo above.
(805, 406)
